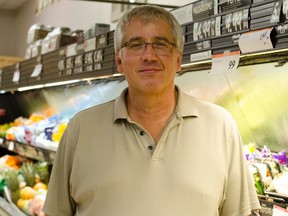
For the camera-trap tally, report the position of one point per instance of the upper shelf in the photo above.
(208, 29)
(27, 150)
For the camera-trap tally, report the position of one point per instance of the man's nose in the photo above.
(149, 52)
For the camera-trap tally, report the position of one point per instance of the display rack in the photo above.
(215, 28)
(209, 27)
(34, 152)
(8, 209)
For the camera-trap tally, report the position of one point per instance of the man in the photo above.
(154, 150)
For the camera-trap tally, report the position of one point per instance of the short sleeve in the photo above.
(240, 197)
(58, 200)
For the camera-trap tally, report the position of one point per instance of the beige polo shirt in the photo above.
(107, 165)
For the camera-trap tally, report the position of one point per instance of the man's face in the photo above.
(149, 69)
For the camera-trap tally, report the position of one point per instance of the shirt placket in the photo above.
(158, 154)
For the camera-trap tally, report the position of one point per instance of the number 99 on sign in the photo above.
(231, 64)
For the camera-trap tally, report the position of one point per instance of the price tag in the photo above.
(79, 60)
(285, 9)
(16, 76)
(278, 211)
(61, 64)
(254, 41)
(183, 14)
(37, 70)
(281, 29)
(71, 50)
(194, 57)
(275, 17)
(89, 58)
(240, 20)
(207, 28)
(97, 66)
(102, 41)
(70, 62)
(89, 44)
(0, 77)
(237, 21)
(228, 23)
(202, 30)
(11, 146)
(225, 62)
(98, 55)
(69, 65)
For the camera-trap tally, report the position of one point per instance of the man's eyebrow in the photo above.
(161, 38)
(158, 38)
(135, 39)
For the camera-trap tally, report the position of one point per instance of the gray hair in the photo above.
(148, 13)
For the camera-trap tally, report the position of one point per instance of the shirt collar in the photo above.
(185, 105)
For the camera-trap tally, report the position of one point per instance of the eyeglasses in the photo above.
(159, 47)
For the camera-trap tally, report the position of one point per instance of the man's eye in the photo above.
(136, 45)
(160, 45)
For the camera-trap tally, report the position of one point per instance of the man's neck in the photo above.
(152, 111)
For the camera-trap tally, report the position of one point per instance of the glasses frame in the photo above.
(125, 44)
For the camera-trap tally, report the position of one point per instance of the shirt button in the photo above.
(150, 147)
(142, 133)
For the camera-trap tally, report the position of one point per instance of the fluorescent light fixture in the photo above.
(241, 56)
(263, 53)
(26, 88)
(196, 63)
(118, 74)
(61, 83)
(2, 91)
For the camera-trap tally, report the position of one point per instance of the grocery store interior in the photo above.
(57, 58)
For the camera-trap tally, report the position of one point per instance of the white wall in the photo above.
(7, 33)
(69, 13)
(72, 14)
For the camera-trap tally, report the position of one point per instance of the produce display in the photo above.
(37, 130)
(270, 172)
(270, 169)
(27, 182)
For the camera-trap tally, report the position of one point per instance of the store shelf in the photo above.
(32, 152)
(8, 209)
(97, 61)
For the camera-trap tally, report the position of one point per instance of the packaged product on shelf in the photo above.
(99, 28)
(36, 48)
(37, 32)
(38, 130)
(79, 35)
(61, 36)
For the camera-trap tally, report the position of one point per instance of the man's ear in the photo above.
(179, 61)
(119, 63)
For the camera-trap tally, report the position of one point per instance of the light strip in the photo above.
(26, 88)
(61, 83)
(263, 53)
(195, 63)
(241, 56)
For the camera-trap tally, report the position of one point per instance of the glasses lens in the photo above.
(138, 47)
(161, 48)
